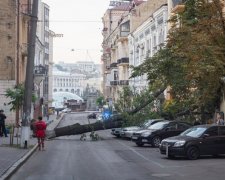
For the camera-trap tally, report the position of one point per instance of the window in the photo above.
(183, 126)
(172, 127)
(213, 131)
(222, 131)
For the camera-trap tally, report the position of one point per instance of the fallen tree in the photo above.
(76, 129)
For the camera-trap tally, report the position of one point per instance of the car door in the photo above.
(170, 130)
(222, 139)
(210, 141)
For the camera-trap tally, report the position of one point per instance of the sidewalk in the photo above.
(10, 155)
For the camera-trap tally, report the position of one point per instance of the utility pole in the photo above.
(18, 57)
(25, 133)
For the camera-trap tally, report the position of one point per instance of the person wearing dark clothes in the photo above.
(2, 123)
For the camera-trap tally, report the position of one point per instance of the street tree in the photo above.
(192, 62)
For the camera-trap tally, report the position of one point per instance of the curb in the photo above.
(59, 120)
(9, 172)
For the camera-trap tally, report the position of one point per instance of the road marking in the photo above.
(149, 160)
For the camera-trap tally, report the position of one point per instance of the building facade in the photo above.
(145, 41)
(67, 82)
(14, 23)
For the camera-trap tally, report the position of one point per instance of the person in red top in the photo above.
(40, 127)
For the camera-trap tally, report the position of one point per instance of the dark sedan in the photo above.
(196, 141)
(159, 131)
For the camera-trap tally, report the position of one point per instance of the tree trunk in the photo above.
(155, 95)
(80, 129)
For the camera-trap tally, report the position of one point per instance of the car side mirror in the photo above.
(205, 135)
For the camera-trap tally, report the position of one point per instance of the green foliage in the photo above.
(17, 97)
(193, 61)
(128, 100)
(100, 101)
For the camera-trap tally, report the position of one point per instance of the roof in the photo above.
(60, 97)
(123, 7)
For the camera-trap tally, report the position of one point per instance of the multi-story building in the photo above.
(146, 40)
(14, 18)
(115, 49)
(42, 61)
(68, 82)
(119, 51)
(82, 66)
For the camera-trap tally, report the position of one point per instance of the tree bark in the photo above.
(155, 95)
(80, 129)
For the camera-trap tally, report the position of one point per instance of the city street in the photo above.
(111, 158)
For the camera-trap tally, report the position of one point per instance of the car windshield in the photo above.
(159, 125)
(146, 124)
(194, 132)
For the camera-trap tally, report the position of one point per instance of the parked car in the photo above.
(127, 132)
(66, 110)
(196, 141)
(159, 131)
(92, 116)
(116, 131)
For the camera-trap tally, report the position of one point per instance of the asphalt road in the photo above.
(68, 158)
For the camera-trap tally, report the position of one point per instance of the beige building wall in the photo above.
(8, 39)
(142, 12)
(13, 48)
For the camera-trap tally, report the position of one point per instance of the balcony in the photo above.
(25, 10)
(178, 6)
(113, 65)
(122, 39)
(114, 83)
(39, 74)
(123, 61)
(124, 82)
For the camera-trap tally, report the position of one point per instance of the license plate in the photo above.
(134, 137)
(144, 140)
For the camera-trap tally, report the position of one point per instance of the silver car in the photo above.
(127, 132)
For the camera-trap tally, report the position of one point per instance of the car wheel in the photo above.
(156, 141)
(193, 153)
(140, 144)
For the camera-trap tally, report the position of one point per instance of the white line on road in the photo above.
(149, 160)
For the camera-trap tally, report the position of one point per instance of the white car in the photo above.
(127, 132)
(66, 110)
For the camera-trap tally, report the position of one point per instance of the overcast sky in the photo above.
(80, 23)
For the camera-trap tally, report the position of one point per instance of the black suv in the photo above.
(196, 141)
(159, 131)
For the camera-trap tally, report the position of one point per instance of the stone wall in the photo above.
(7, 39)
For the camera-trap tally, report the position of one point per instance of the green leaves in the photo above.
(17, 97)
(193, 61)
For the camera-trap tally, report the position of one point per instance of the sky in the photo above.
(80, 22)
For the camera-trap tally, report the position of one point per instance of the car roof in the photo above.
(209, 125)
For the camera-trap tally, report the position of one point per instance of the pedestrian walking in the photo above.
(40, 127)
(219, 119)
(2, 123)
